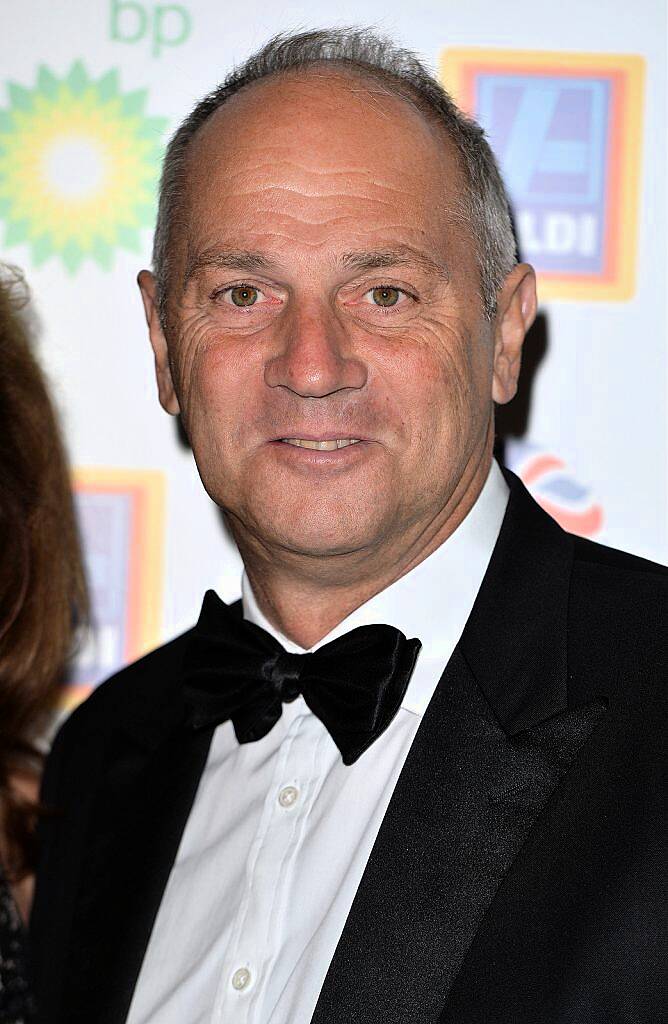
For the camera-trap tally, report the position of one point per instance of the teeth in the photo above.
(322, 446)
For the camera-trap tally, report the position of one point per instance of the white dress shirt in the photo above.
(281, 830)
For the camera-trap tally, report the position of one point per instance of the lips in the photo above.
(326, 445)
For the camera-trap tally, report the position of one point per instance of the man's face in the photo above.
(327, 345)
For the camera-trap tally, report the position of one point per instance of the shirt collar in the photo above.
(432, 601)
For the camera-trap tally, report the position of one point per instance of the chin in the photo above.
(316, 532)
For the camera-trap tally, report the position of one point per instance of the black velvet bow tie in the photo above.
(236, 670)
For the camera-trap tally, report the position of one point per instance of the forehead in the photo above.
(320, 153)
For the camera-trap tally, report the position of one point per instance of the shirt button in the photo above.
(241, 979)
(288, 796)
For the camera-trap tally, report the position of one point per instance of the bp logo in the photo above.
(79, 160)
(566, 129)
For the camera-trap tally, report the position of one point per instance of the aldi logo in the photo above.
(566, 129)
(121, 521)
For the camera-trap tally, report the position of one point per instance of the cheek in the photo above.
(439, 382)
(214, 385)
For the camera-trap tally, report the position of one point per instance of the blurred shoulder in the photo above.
(151, 682)
(618, 578)
(618, 613)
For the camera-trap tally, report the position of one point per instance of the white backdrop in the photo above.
(573, 97)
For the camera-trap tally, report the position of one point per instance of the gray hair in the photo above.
(485, 204)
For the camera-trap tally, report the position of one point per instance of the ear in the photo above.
(163, 372)
(516, 311)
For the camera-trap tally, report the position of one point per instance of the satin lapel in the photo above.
(465, 802)
(492, 746)
(143, 803)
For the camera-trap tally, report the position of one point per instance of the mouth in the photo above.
(326, 445)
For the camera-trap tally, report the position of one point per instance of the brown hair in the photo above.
(42, 587)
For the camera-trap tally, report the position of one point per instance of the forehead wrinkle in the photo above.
(324, 184)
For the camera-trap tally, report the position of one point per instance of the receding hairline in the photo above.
(381, 67)
(331, 70)
(388, 85)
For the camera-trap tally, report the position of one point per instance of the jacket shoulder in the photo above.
(619, 621)
(148, 682)
(631, 591)
(588, 552)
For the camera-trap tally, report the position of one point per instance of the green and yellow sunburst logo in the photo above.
(79, 162)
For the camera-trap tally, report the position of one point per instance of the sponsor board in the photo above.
(567, 131)
(554, 487)
(79, 164)
(121, 518)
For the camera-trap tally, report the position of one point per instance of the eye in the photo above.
(243, 295)
(384, 296)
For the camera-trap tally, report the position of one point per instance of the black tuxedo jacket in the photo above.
(516, 875)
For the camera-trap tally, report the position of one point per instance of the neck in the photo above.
(305, 602)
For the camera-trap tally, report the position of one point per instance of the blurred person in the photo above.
(413, 776)
(42, 595)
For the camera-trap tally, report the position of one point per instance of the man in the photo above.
(446, 810)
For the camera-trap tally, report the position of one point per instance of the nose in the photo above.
(315, 357)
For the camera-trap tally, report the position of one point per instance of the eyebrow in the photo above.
(402, 256)
(233, 259)
(244, 259)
